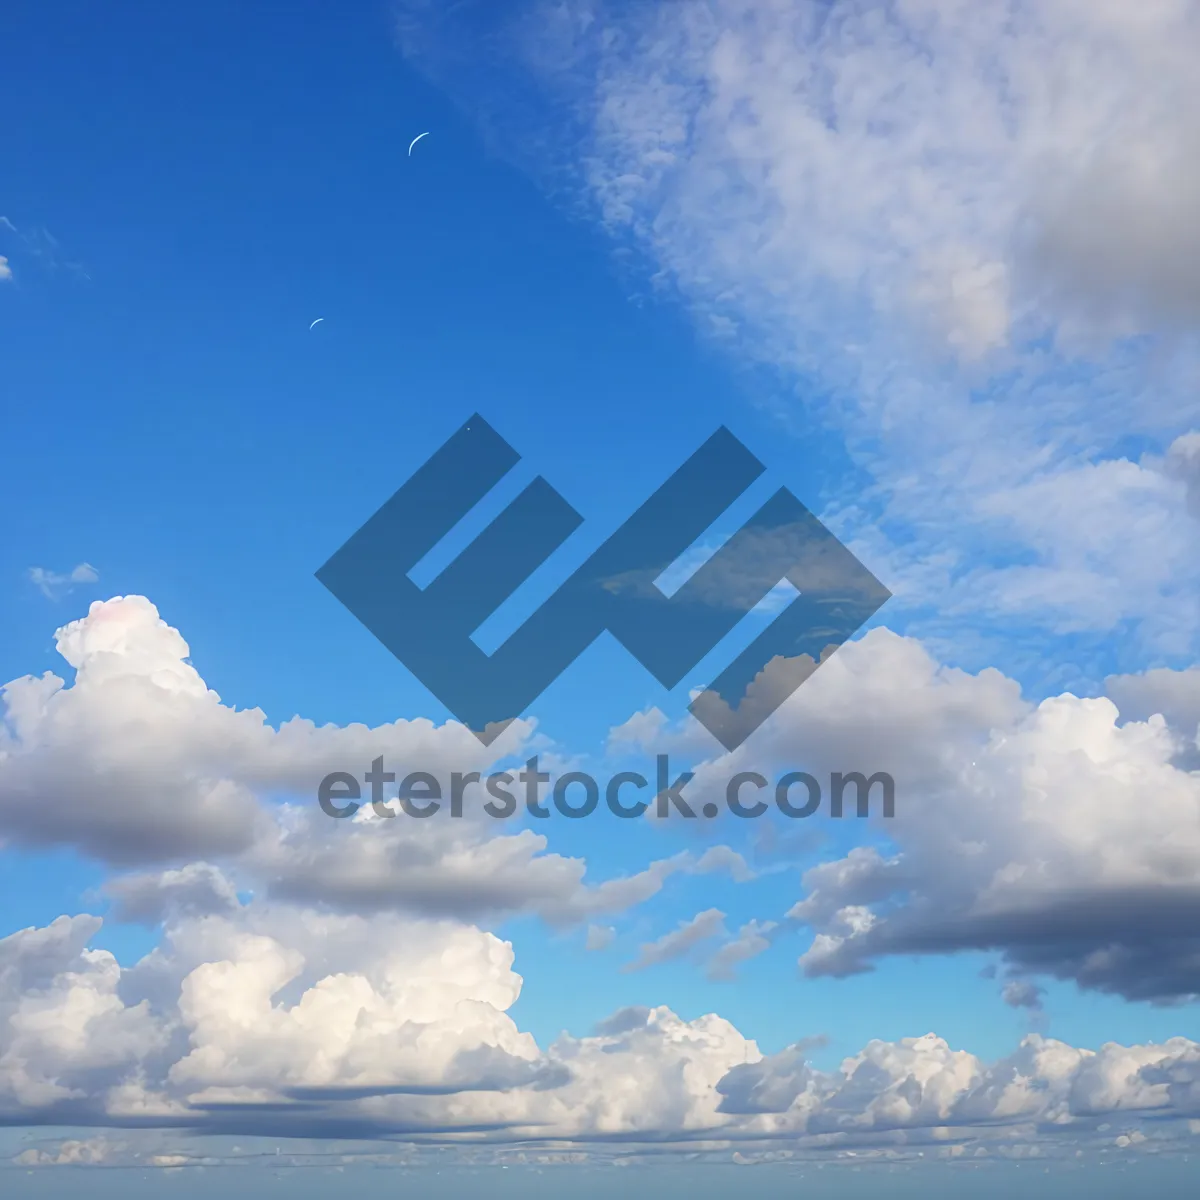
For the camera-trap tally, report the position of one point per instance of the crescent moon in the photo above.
(415, 141)
(316, 322)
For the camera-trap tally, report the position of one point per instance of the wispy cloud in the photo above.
(39, 244)
(1020, 993)
(752, 940)
(681, 941)
(599, 937)
(964, 232)
(5, 269)
(53, 585)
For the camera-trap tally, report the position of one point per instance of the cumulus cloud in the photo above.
(1173, 695)
(70, 1152)
(953, 217)
(373, 1006)
(124, 763)
(139, 764)
(1060, 834)
(348, 1023)
(1064, 834)
(1014, 831)
(65, 1027)
(282, 1021)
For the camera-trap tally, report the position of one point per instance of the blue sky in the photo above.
(599, 250)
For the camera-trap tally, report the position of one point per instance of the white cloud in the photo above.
(1175, 695)
(42, 246)
(5, 269)
(945, 220)
(53, 585)
(453, 868)
(124, 762)
(965, 168)
(70, 1152)
(429, 1016)
(65, 1027)
(1064, 835)
(138, 763)
(278, 1021)
(1014, 828)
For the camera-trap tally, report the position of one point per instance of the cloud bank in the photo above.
(284, 1022)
